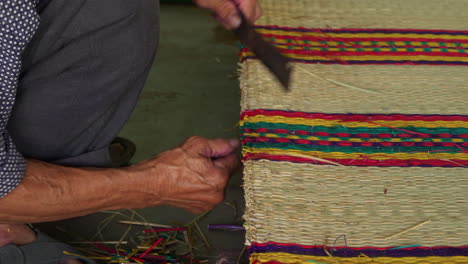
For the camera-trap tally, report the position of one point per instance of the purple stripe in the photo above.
(351, 62)
(213, 227)
(416, 252)
(356, 144)
(347, 30)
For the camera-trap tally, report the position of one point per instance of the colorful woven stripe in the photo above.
(280, 253)
(367, 46)
(347, 252)
(285, 258)
(356, 140)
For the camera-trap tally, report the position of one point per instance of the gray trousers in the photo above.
(81, 77)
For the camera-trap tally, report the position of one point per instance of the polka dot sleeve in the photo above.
(18, 22)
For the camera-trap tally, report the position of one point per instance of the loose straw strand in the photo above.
(336, 82)
(409, 229)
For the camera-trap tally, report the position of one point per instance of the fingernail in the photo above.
(234, 21)
(234, 143)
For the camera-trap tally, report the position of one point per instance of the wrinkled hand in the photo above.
(192, 176)
(226, 12)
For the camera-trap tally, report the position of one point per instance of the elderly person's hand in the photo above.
(226, 12)
(192, 176)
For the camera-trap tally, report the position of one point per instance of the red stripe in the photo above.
(368, 53)
(352, 248)
(347, 143)
(362, 162)
(371, 53)
(352, 45)
(354, 39)
(355, 117)
(345, 30)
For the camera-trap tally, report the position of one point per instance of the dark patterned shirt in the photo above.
(18, 22)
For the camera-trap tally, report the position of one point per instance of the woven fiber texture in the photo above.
(314, 205)
(355, 140)
(367, 46)
(365, 159)
(401, 14)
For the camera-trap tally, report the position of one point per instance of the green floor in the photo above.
(192, 90)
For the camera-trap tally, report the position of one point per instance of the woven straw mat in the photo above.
(381, 206)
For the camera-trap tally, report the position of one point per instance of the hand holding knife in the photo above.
(231, 16)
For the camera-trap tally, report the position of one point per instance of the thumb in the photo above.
(211, 148)
(224, 10)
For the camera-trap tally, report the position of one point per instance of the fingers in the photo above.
(250, 8)
(211, 148)
(228, 164)
(226, 11)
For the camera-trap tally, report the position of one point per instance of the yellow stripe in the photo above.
(361, 35)
(270, 135)
(331, 123)
(358, 155)
(370, 57)
(305, 259)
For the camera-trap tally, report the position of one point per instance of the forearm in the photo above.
(192, 176)
(50, 192)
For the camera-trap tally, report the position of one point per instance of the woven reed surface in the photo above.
(413, 14)
(392, 89)
(314, 204)
(426, 89)
(310, 204)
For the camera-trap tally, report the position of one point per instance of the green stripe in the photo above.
(354, 130)
(364, 139)
(367, 150)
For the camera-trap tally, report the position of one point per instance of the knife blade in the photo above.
(264, 51)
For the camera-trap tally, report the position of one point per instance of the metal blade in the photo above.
(266, 53)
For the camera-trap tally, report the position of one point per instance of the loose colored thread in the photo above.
(451, 161)
(165, 230)
(306, 157)
(409, 229)
(143, 224)
(410, 246)
(461, 148)
(336, 240)
(336, 82)
(80, 256)
(151, 248)
(404, 130)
